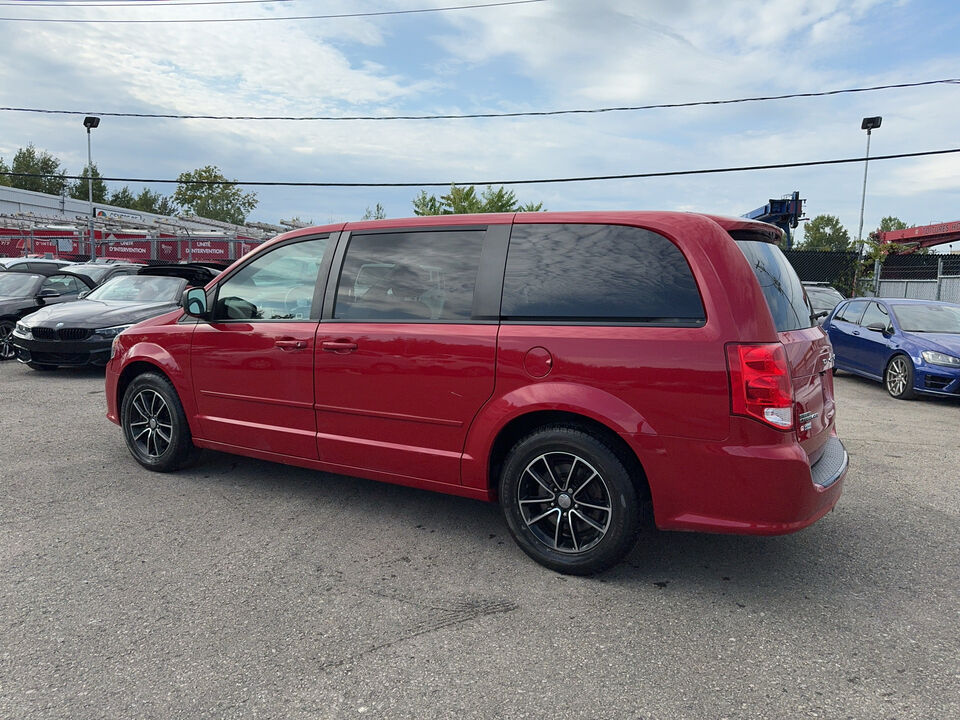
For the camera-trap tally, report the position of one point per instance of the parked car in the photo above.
(21, 293)
(33, 265)
(100, 273)
(81, 333)
(823, 298)
(911, 346)
(589, 370)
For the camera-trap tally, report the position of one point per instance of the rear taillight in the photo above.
(760, 384)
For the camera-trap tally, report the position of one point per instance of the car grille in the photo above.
(43, 333)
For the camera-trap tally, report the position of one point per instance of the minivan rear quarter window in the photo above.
(780, 284)
(598, 273)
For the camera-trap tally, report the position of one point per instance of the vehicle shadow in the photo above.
(823, 561)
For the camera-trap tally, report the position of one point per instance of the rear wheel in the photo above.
(569, 500)
(6, 340)
(154, 424)
(898, 377)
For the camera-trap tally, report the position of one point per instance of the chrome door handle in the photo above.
(338, 346)
(290, 344)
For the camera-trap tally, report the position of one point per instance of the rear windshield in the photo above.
(780, 284)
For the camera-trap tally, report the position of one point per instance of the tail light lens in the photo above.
(760, 384)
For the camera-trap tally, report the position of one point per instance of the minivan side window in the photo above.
(426, 276)
(598, 272)
(278, 285)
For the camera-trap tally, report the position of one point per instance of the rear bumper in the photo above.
(93, 351)
(743, 489)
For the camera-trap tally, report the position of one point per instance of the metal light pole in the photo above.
(89, 123)
(868, 124)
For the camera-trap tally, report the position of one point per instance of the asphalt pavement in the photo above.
(244, 589)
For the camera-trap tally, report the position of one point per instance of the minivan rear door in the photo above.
(809, 353)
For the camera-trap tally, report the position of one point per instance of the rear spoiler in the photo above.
(744, 229)
(196, 274)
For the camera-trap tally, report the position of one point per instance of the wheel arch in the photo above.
(521, 426)
(144, 358)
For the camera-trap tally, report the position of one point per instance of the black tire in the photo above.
(41, 366)
(7, 351)
(898, 378)
(154, 424)
(569, 500)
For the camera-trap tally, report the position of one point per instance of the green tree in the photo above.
(123, 198)
(825, 232)
(378, 213)
(206, 192)
(890, 223)
(4, 168)
(80, 191)
(151, 202)
(465, 200)
(38, 162)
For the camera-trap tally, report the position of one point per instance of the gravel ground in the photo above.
(244, 589)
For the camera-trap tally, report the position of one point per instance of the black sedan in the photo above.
(22, 293)
(82, 333)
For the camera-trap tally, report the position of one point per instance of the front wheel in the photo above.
(154, 424)
(898, 377)
(569, 500)
(6, 340)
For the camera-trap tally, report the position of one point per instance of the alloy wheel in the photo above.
(565, 502)
(6, 342)
(151, 426)
(897, 376)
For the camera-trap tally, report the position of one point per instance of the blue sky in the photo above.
(556, 54)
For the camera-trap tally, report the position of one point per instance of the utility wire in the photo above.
(535, 113)
(446, 183)
(270, 18)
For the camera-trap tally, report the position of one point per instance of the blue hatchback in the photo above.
(912, 346)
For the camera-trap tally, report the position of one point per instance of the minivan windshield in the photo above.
(928, 318)
(780, 284)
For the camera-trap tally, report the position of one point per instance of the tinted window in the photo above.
(409, 276)
(875, 314)
(851, 312)
(598, 272)
(780, 285)
(823, 298)
(277, 285)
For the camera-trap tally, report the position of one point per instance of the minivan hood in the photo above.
(98, 313)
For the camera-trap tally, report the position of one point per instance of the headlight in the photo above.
(111, 331)
(938, 358)
(23, 331)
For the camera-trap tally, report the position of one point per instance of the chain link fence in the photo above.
(834, 268)
(922, 277)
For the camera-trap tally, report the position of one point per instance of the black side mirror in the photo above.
(194, 302)
(878, 327)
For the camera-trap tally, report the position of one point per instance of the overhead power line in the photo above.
(530, 113)
(272, 18)
(540, 181)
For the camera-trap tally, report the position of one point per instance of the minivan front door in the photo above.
(252, 364)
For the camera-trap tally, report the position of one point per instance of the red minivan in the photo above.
(591, 371)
